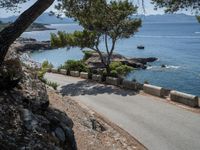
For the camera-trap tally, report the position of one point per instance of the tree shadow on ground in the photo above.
(86, 87)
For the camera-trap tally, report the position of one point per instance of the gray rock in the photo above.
(60, 134)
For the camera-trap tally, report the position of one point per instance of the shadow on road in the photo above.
(86, 87)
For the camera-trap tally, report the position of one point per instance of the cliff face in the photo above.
(27, 121)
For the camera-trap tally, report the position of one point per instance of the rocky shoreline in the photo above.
(25, 45)
(94, 61)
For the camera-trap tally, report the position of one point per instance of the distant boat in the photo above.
(140, 47)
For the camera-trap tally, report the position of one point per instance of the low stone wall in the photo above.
(131, 85)
(184, 98)
(63, 71)
(97, 78)
(153, 90)
(54, 70)
(113, 81)
(84, 75)
(74, 73)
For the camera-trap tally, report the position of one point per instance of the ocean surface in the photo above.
(176, 45)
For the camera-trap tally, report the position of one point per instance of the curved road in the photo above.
(156, 124)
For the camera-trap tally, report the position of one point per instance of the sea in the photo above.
(176, 45)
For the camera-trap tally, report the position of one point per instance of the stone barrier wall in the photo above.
(129, 85)
(63, 71)
(187, 99)
(74, 73)
(113, 81)
(84, 75)
(54, 70)
(184, 98)
(97, 78)
(153, 90)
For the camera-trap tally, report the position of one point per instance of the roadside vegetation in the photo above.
(45, 67)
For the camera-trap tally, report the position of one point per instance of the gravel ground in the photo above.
(92, 131)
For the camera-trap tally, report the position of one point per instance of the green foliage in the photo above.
(114, 65)
(87, 54)
(124, 69)
(54, 85)
(46, 64)
(175, 5)
(114, 74)
(102, 21)
(75, 65)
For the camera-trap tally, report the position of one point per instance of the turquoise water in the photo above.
(177, 45)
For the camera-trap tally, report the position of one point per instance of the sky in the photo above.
(149, 8)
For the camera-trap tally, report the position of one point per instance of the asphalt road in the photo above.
(156, 124)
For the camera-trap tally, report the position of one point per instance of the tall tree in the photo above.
(9, 34)
(102, 21)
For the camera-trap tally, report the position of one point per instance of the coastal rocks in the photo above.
(94, 61)
(26, 44)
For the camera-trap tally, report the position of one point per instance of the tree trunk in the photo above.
(9, 34)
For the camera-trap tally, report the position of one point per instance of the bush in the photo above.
(114, 74)
(114, 65)
(54, 85)
(73, 65)
(87, 54)
(124, 69)
(46, 64)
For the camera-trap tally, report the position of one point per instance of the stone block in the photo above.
(54, 70)
(113, 81)
(187, 99)
(74, 73)
(153, 90)
(84, 75)
(97, 78)
(63, 71)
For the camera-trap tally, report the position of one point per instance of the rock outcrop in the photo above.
(94, 61)
(28, 122)
(29, 44)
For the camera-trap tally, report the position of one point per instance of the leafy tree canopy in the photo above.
(11, 4)
(176, 5)
(102, 21)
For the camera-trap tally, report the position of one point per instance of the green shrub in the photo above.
(124, 69)
(114, 74)
(114, 65)
(54, 85)
(87, 54)
(75, 65)
(46, 64)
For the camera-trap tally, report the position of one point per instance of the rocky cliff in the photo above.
(27, 121)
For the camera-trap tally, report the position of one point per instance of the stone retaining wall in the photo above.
(184, 98)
